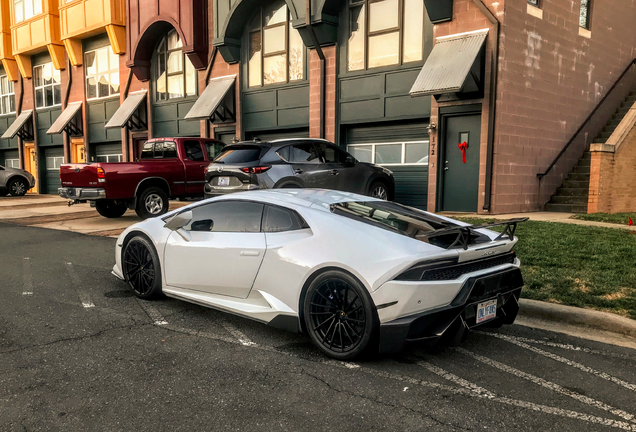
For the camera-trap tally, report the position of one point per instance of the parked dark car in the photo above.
(294, 163)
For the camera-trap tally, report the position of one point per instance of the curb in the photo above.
(560, 314)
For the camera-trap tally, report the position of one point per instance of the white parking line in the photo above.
(243, 340)
(27, 277)
(547, 384)
(77, 282)
(571, 363)
(153, 314)
(568, 347)
(483, 393)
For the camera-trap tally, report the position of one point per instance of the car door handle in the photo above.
(335, 172)
(298, 171)
(250, 253)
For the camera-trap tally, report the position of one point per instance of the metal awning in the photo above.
(20, 127)
(128, 113)
(67, 121)
(216, 103)
(448, 67)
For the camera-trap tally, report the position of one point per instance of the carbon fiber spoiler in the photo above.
(464, 232)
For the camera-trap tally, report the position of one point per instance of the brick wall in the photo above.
(613, 178)
(330, 94)
(550, 80)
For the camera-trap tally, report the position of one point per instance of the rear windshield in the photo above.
(243, 154)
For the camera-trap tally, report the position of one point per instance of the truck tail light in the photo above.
(101, 175)
(255, 170)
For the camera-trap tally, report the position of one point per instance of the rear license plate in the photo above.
(224, 181)
(486, 311)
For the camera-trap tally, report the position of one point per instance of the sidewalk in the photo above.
(542, 217)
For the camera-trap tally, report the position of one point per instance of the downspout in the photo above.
(323, 68)
(126, 137)
(492, 108)
(21, 155)
(67, 95)
(208, 73)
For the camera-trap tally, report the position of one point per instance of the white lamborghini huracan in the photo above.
(355, 273)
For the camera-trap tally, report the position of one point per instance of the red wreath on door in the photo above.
(463, 146)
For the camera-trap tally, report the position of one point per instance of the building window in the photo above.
(102, 73)
(176, 76)
(25, 9)
(47, 83)
(110, 158)
(276, 50)
(405, 153)
(54, 163)
(534, 2)
(584, 14)
(12, 163)
(384, 33)
(7, 96)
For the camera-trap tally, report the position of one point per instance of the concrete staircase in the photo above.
(572, 196)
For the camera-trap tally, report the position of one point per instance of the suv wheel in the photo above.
(18, 187)
(379, 190)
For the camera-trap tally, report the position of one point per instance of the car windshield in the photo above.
(243, 154)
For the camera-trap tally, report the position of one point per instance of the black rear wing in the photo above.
(464, 232)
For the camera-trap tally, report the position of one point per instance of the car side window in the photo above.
(193, 151)
(304, 153)
(227, 216)
(278, 219)
(332, 154)
(148, 151)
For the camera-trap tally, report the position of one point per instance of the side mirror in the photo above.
(204, 225)
(179, 221)
(350, 161)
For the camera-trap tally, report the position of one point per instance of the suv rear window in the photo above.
(242, 154)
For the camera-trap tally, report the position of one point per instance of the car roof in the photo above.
(322, 198)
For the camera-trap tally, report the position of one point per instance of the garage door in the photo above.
(280, 134)
(10, 158)
(108, 152)
(401, 147)
(54, 158)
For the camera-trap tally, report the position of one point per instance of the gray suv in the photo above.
(294, 163)
(15, 181)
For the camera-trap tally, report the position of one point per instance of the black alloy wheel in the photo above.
(141, 268)
(379, 190)
(18, 187)
(339, 315)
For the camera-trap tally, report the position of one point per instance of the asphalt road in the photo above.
(78, 352)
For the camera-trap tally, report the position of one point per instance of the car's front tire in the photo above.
(18, 187)
(379, 190)
(141, 268)
(110, 209)
(340, 316)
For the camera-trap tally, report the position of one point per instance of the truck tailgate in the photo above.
(78, 175)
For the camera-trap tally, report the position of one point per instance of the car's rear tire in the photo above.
(340, 316)
(110, 208)
(18, 187)
(379, 190)
(141, 268)
(152, 202)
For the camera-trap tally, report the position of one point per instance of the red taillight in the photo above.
(205, 170)
(255, 170)
(101, 174)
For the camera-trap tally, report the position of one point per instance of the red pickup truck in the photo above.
(168, 168)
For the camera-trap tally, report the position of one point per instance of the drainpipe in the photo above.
(323, 68)
(67, 94)
(208, 73)
(19, 111)
(126, 134)
(493, 100)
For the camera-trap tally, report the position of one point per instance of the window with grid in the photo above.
(7, 95)
(109, 158)
(26, 9)
(176, 76)
(404, 153)
(12, 163)
(276, 50)
(47, 81)
(534, 2)
(384, 33)
(584, 14)
(102, 73)
(54, 163)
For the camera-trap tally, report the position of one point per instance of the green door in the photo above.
(460, 190)
(54, 158)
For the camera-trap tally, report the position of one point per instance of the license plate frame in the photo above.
(486, 311)
(224, 181)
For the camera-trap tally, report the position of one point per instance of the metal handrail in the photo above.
(587, 120)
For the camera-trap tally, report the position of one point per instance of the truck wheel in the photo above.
(110, 208)
(152, 202)
(18, 187)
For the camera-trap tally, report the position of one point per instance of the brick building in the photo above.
(401, 83)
